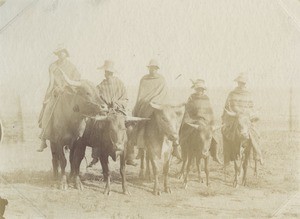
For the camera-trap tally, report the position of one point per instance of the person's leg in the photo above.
(43, 144)
(175, 151)
(95, 156)
(254, 139)
(140, 143)
(130, 154)
(214, 151)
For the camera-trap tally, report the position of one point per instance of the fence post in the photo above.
(20, 120)
(291, 109)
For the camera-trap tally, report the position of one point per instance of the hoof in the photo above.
(126, 192)
(235, 184)
(63, 183)
(78, 184)
(255, 174)
(156, 192)
(180, 175)
(200, 180)
(106, 192)
(63, 186)
(185, 185)
(168, 190)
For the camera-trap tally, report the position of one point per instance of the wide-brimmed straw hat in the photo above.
(108, 66)
(61, 49)
(153, 62)
(241, 78)
(199, 83)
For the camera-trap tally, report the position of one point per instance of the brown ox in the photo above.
(67, 119)
(196, 145)
(237, 143)
(109, 135)
(160, 132)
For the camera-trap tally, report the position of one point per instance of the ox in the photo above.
(67, 119)
(160, 132)
(237, 143)
(196, 145)
(109, 134)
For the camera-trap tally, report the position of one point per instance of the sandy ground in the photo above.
(26, 181)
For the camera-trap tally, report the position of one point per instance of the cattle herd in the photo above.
(110, 131)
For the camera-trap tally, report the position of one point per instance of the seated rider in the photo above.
(62, 73)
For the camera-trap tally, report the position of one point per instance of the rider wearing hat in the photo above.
(113, 94)
(152, 89)
(198, 108)
(62, 73)
(240, 101)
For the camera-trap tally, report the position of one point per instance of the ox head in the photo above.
(169, 119)
(115, 132)
(205, 134)
(86, 99)
(244, 121)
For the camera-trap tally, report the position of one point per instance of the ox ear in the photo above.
(76, 108)
(156, 106)
(131, 121)
(193, 125)
(230, 113)
(135, 119)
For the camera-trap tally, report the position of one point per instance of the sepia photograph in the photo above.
(133, 109)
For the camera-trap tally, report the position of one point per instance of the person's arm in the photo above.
(211, 114)
(123, 99)
(68, 80)
(50, 85)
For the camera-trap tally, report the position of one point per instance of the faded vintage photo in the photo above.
(149, 109)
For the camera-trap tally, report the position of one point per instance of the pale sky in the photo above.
(213, 40)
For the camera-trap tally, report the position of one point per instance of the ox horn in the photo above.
(193, 125)
(156, 106)
(230, 113)
(100, 118)
(135, 119)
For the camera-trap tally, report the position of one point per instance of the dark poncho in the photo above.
(198, 109)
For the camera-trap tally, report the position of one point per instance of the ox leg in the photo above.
(106, 173)
(55, 160)
(245, 165)
(187, 172)
(148, 172)
(206, 164)
(156, 189)
(181, 173)
(184, 159)
(236, 172)
(78, 155)
(198, 164)
(123, 174)
(166, 169)
(142, 168)
(63, 164)
(255, 168)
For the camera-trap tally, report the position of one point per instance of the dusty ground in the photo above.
(27, 184)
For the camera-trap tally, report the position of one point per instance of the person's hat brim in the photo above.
(105, 68)
(203, 87)
(238, 79)
(152, 66)
(58, 51)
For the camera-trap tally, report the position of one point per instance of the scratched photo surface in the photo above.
(173, 81)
